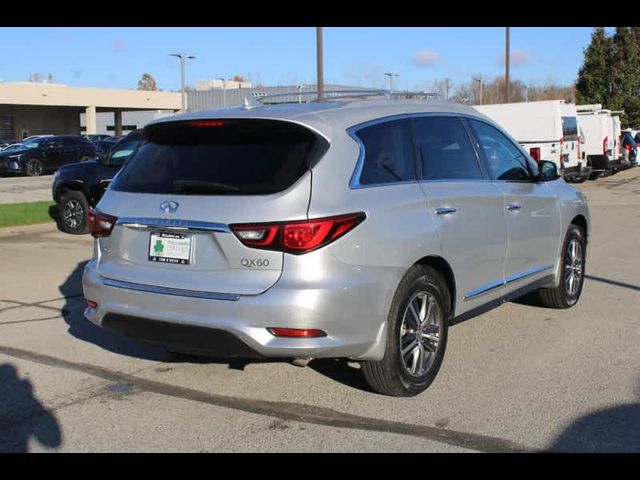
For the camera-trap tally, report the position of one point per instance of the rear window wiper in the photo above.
(200, 186)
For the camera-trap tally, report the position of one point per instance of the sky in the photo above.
(116, 57)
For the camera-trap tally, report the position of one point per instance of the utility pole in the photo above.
(479, 80)
(506, 75)
(182, 57)
(320, 69)
(391, 75)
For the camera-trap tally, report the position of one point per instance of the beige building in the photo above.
(29, 108)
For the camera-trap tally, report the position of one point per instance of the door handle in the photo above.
(513, 206)
(445, 210)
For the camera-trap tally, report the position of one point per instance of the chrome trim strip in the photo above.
(526, 273)
(178, 292)
(484, 289)
(501, 283)
(172, 224)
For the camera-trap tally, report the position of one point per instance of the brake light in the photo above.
(100, 224)
(297, 332)
(535, 153)
(207, 123)
(296, 237)
(561, 150)
(605, 145)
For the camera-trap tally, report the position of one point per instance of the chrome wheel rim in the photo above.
(573, 267)
(419, 333)
(73, 213)
(34, 167)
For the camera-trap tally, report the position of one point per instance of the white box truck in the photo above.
(602, 144)
(548, 130)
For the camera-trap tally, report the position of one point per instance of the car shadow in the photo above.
(22, 416)
(82, 329)
(609, 430)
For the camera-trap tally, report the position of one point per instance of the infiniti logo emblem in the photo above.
(169, 207)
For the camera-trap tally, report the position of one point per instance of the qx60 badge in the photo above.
(169, 207)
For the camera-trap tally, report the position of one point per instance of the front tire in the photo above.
(72, 213)
(34, 167)
(572, 268)
(417, 330)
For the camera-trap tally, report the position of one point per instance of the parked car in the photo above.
(43, 154)
(79, 186)
(4, 143)
(548, 130)
(214, 240)
(11, 146)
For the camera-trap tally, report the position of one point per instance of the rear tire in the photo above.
(417, 329)
(572, 268)
(73, 210)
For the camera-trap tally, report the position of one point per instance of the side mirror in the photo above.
(547, 171)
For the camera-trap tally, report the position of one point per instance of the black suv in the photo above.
(41, 154)
(79, 186)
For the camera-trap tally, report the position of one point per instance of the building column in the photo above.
(91, 122)
(117, 122)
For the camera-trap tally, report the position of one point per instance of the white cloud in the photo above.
(426, 58)
(518, 58)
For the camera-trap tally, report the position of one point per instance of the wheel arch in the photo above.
(442, 266)
(581, 222)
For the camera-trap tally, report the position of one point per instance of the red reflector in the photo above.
(297, 332)
(207, 123)
(92, 304)
(100, 224)
(535, 153)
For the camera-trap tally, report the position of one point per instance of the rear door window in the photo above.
(388, 153)
(570, 128)
(220, 157)
(444, 149)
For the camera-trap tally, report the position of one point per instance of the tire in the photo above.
(580, 179)
(34, 167)
(73, 209)
(426, 290)
(595, 175)
(567, 293)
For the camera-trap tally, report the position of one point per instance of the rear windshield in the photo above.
(570, 128)
(219, 157)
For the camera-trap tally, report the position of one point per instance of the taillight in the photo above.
(535, 153)
(100, 224)
(296, 237)
(628, 147)
(605, 145)
(561, 150)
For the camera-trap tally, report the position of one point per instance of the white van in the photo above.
(548, 130)
(601, 138)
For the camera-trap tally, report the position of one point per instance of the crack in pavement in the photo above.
(283, 410)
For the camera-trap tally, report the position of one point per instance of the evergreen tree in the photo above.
(594, 77)
(147, 82)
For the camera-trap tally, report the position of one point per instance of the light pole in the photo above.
(182, 57)
(506, 75)
(300, 88)
(319, 64)
(224, 91)
(391, 75)
(479, 80)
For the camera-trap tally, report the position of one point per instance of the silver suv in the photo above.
(355, 229)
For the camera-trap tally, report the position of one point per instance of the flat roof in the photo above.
(59, 95)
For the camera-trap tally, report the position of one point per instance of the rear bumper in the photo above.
(350, 306)
(577, 171)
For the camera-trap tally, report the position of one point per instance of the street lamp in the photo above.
(391, 75)
(182, 57)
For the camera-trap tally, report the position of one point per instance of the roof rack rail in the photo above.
(259, 99)
(296, 97)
